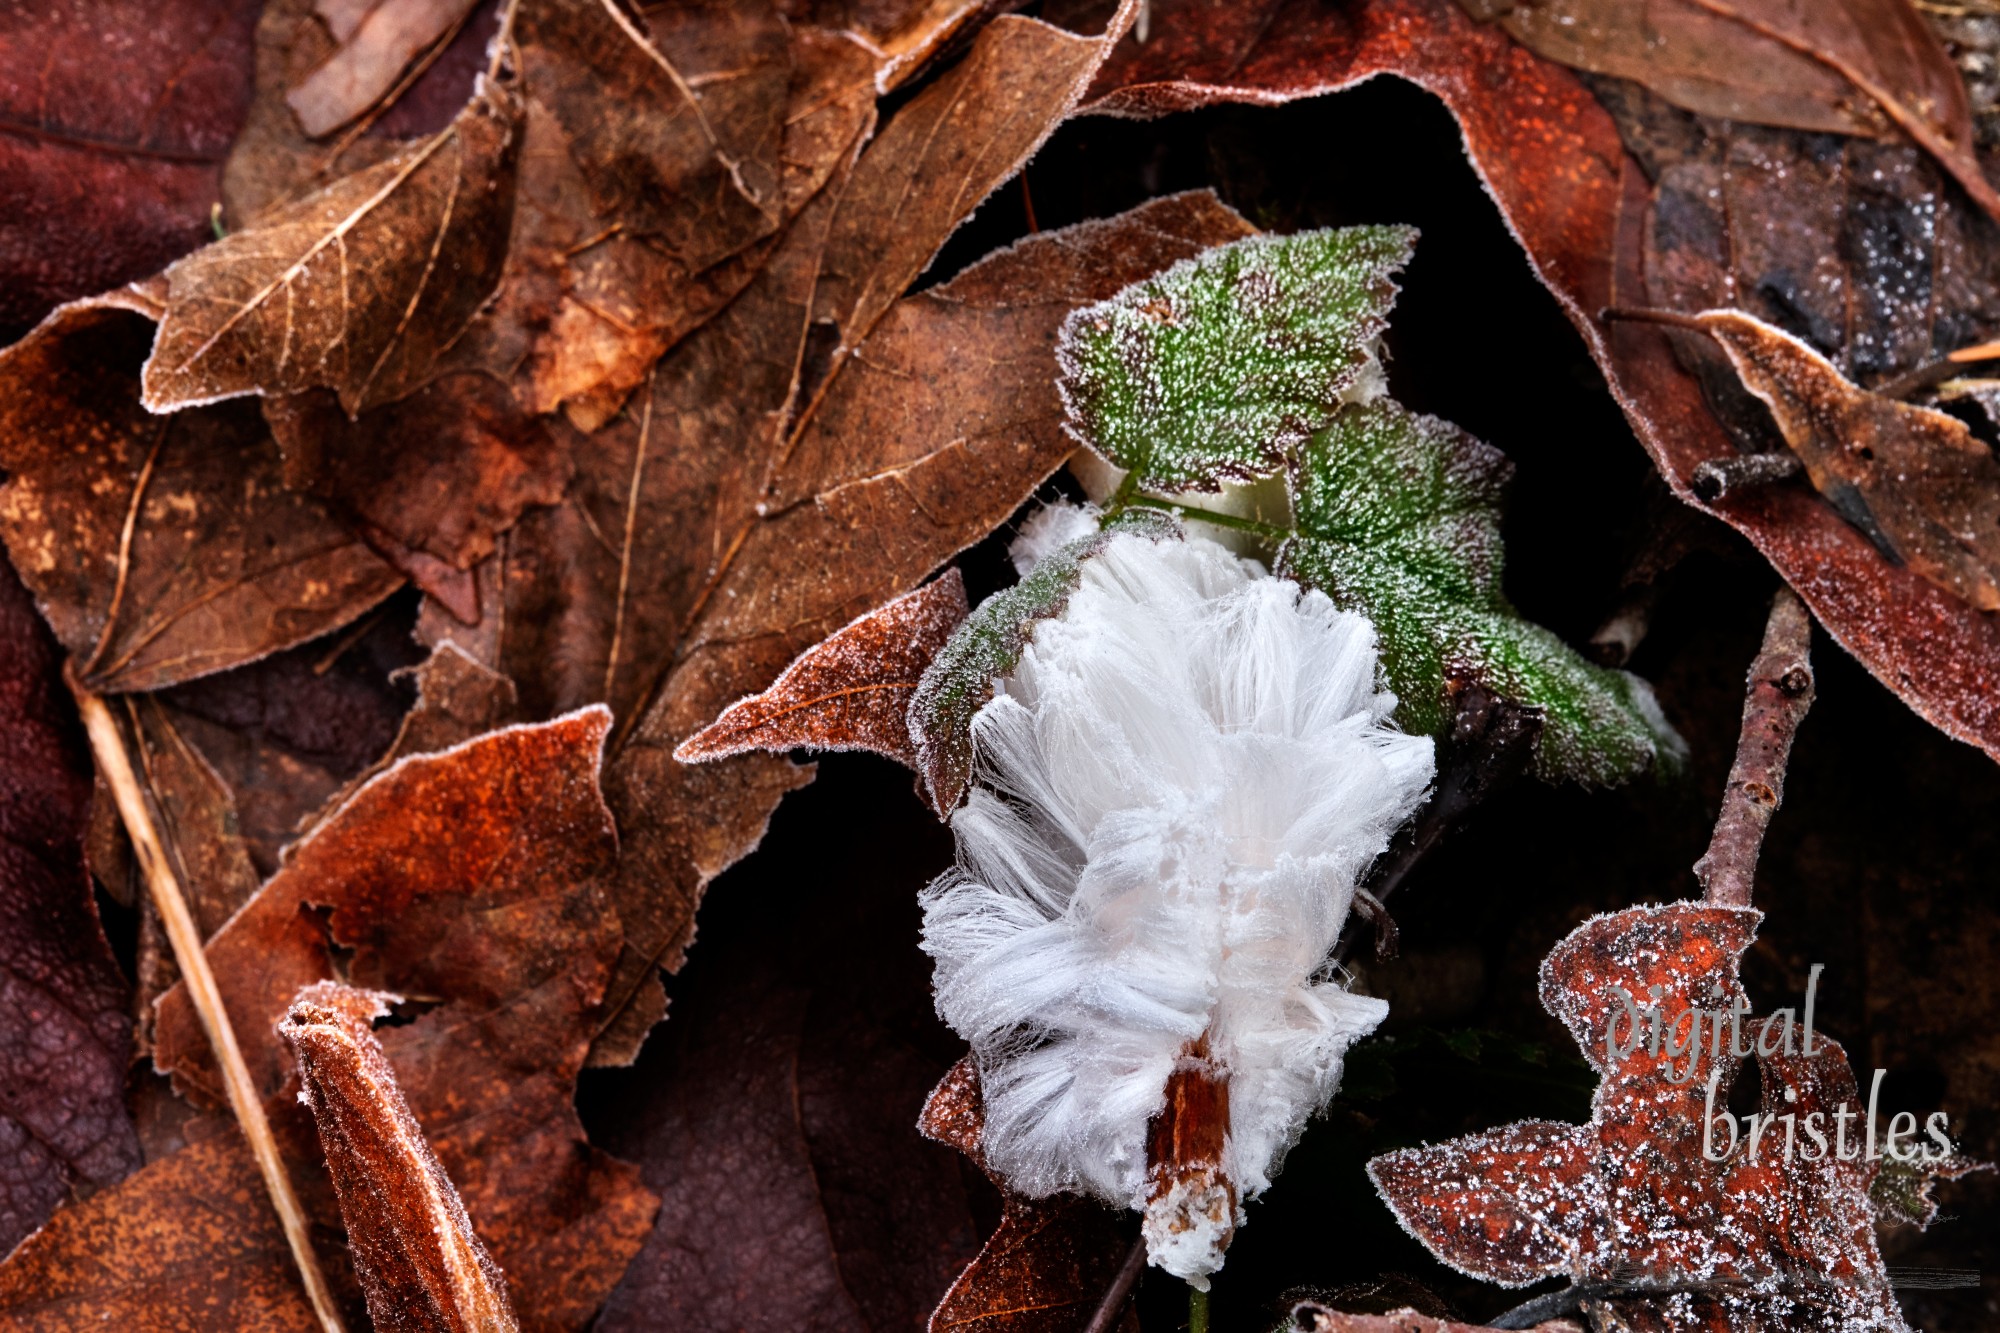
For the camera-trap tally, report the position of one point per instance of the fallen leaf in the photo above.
(187, 1243)
(1865, 67)
(375, 48)
(419, 1261)
(1765, 1239)
(849, 691)
(1313, 1317)
(474, 877)
(116, 117)
(159, 548)
(1047, 1267)
(920, 445)
(1579, 203)
(65, 1034)
(357, 288)
(773, 1114)
(1912, 477)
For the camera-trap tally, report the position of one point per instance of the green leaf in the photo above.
(1398, 517)
(1223, 366)
(989, 644)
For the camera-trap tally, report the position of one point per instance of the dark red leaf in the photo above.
(65, 1034)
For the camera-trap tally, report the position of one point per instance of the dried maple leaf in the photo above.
(114, 119)
(419, 1261)
(1764, 1238)
(850, 690)
(1578, 202)
(159, 548)
(1914, 478)
(377, 42)
(1047, 1266)
(1840, 66)
(64, 1033)
(474, 877)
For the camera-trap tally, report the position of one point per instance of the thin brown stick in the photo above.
(1120, 1291)
(1779, 692)
(116, 766)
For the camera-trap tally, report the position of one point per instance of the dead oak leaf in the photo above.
(1050, 1261)
(1911, 476)
(1553, 160)
(377, 42)
(357, 288)
(474, 876)
(1769, 1236)
(64, 1032)
(159, 548)
(421, 1265)
(850, 690)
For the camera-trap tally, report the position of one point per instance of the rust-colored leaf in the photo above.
(159, 548)
(1312, 1317)
(1049, 1263)
(1912, 477)
(849, 691)
(114, 119)
(187, 1243)
(474, 877)
(1868, 67)
(357, 288)
(64, 1034)
(1586, 213)
(419, 1261)
(1766, 1236)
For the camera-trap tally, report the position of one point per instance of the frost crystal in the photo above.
(1178, 784)
(1224, 364)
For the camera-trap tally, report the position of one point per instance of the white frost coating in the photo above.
(1049, 527)
(1177, 790)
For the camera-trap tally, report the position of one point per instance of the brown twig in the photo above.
(1779, 692)
(1120, 1291)
(108, 745)
(1721, 477)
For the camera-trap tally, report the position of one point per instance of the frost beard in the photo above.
(1177, 789)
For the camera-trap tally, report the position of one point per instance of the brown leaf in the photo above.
(849, 691)
(64, 1031)
(414, 1249)
(773, 1114)
(188, 1243)
(1580, 205)
(159, 548)
(1050, 1262)
(375, 47)
(114, 118)
(920, 446)
(357, 288)
(1312, 1317)
(1920, 479)
(1767, 1239)
(475, 877)
(1839, 66)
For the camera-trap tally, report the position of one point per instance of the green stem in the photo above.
(1120, 497)
(1197, 1310)
(1200, 515)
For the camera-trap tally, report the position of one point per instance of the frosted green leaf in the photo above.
(989, 644)
(1223, 366)
(1398, 516)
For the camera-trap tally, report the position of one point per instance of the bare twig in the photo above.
(1120, 1291)
(1722, 477)
(116, 767)
(1780, 691)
